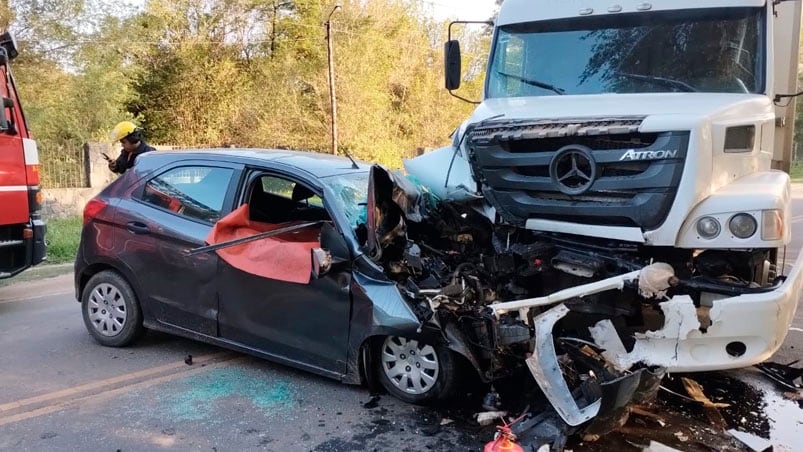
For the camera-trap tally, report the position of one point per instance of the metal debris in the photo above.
(489, 417)
(754, 442)
(791, 378)
(655, 446)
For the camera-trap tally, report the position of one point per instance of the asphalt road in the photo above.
(59, 390)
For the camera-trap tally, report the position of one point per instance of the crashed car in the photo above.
(305, 295)
(362, 274)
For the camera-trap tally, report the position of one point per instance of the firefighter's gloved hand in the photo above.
(113, 166)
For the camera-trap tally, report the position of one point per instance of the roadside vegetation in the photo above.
(63, 236)
(208, 73)
(797, 171)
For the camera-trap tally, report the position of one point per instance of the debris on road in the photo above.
(489, 417)
(696, 392)
(790, 378)
(372, 403)
(754, 442)
(655, 446)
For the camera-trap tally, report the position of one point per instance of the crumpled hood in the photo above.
(685, 107)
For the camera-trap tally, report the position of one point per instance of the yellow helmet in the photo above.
(122, 130)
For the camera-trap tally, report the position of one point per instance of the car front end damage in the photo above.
(596, 323)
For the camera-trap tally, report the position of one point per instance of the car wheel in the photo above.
(415, 372)
(111, 310)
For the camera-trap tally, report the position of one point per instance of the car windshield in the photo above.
(707, 50)
(351, 196)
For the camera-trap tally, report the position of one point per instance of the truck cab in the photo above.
(656, 123)
(636, 141)
(22, 229)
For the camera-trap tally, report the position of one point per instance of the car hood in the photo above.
(392, 200)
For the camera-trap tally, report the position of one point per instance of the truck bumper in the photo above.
(734, 332)
(23, 246)
(38, 245)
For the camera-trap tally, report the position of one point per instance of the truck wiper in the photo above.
(660, 80)
(534, 83)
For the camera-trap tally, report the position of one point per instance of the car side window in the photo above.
(196, 192)
(276, 200)
(287, 188)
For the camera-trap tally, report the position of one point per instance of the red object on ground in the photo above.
(286, 257)
(505, 442)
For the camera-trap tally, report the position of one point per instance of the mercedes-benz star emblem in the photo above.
(573, 170)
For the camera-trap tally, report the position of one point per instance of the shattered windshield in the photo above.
(351, 194)
(700, 50)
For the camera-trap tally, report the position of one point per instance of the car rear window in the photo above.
(196, 192)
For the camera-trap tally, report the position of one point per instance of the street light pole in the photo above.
(332, 95)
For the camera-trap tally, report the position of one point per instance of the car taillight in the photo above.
(92, 209)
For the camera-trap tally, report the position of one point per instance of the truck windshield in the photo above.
(699, 50)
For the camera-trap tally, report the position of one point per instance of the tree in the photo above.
(250, 73)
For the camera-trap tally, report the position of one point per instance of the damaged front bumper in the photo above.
(732, 332)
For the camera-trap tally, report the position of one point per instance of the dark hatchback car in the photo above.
(346, 321)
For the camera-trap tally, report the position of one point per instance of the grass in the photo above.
(797, 171)
(63, 236)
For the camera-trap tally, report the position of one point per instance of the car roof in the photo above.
(316, 164)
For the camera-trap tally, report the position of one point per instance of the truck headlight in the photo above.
(771, 225)
(743, 225)
(708, 227)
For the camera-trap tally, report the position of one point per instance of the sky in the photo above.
(461, 9)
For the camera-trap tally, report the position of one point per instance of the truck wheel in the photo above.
(111, 310)
(415, 372)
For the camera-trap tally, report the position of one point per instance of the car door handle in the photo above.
(138, 228)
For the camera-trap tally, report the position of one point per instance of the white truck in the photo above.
(629, 132)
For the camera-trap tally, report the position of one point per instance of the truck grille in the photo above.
(599, 172)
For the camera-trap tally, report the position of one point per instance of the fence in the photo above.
(72, 175)
(63, 167)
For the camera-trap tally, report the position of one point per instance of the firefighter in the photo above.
(130, 137)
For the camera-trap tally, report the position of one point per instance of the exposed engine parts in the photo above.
(581, 315)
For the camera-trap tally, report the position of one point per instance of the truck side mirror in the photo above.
(453, 64)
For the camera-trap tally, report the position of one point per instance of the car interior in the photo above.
(268, 206)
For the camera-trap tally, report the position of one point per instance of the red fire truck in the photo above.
(22, 230)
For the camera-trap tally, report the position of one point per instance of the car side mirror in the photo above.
(332, 241)
(453, 64)
(321, 262)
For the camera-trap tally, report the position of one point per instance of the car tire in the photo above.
(111, 310)
(415, 372)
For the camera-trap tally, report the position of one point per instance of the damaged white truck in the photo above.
(619, 178)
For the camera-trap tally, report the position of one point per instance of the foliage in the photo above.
(250, 73)
(63, 237)
(797, 171)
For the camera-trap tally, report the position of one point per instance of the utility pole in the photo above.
(332, 95)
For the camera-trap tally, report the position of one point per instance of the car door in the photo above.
(307, 323)
(168, 214)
